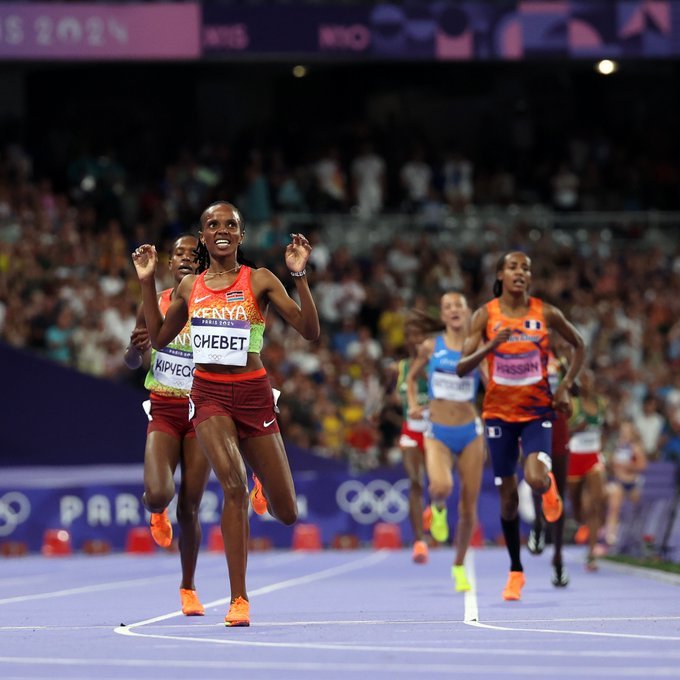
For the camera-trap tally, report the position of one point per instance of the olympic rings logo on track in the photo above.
(377, 500)
(14, 509)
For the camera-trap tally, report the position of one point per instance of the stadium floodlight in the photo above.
(606, 67)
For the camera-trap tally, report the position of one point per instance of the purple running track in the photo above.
(333, 614)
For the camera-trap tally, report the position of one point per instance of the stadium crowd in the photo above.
(68, 290)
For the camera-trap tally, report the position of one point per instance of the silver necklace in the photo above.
(228, 271)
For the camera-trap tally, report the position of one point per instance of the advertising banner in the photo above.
(337, 502)
(438, 30)
(99, 31)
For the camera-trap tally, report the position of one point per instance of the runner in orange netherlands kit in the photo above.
(234, 411)
(171, 439)
(511, 332)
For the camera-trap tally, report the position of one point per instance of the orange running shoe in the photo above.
(552, 503)
(238, 614)
(161, 529)
(420, 552)
(513, 588)
(191, 605)
(427, 518)
(257, 498)
(582, 534)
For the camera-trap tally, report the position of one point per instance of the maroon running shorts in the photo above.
(246, 398)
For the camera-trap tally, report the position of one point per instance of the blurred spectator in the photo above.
(391, 325)
(59, 337)
(626, 465)
(365, 346)
(368, 181)
(565, 186)
(671, 447)
(331, 183)
(416, 180)
(256, 194)
(650, 423)
(457, 180)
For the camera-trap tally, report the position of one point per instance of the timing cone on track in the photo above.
(13, 549)
(96, 546)
(215, 540)
(306, 537)
(477, 540)
(56, 543)
(387, 536)
(139, 541)
(345, 542)
(260, 544)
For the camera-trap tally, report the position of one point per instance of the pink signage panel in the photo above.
(100, 31)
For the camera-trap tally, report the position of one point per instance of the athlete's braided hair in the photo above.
(202, 256)
(498, 284)
(189, 234)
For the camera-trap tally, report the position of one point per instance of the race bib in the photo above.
(451, 387)
(416, 424)
(623, 454)
(220, 341)
(174, 368)
(517, 369)
(588, 441)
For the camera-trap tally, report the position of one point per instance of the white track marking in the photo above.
(84, 589)
(112, 585)
(379, 667)
(362, 562)
(644, 572)
(632, 636)
(471, 609)
(363, 622)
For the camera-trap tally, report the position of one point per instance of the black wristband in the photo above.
(298, 275)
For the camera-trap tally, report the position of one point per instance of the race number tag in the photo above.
(451, 387)
(220, 341)
(517, 369)
(174, 368)
(588, 441)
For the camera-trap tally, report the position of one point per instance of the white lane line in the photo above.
(597, 619)
(112, 585)
(85, 589)
(644, 572)
(471, 608)
(632, 636)
(379, 667)
(472, 619)
(361, 563)
(362, 622)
